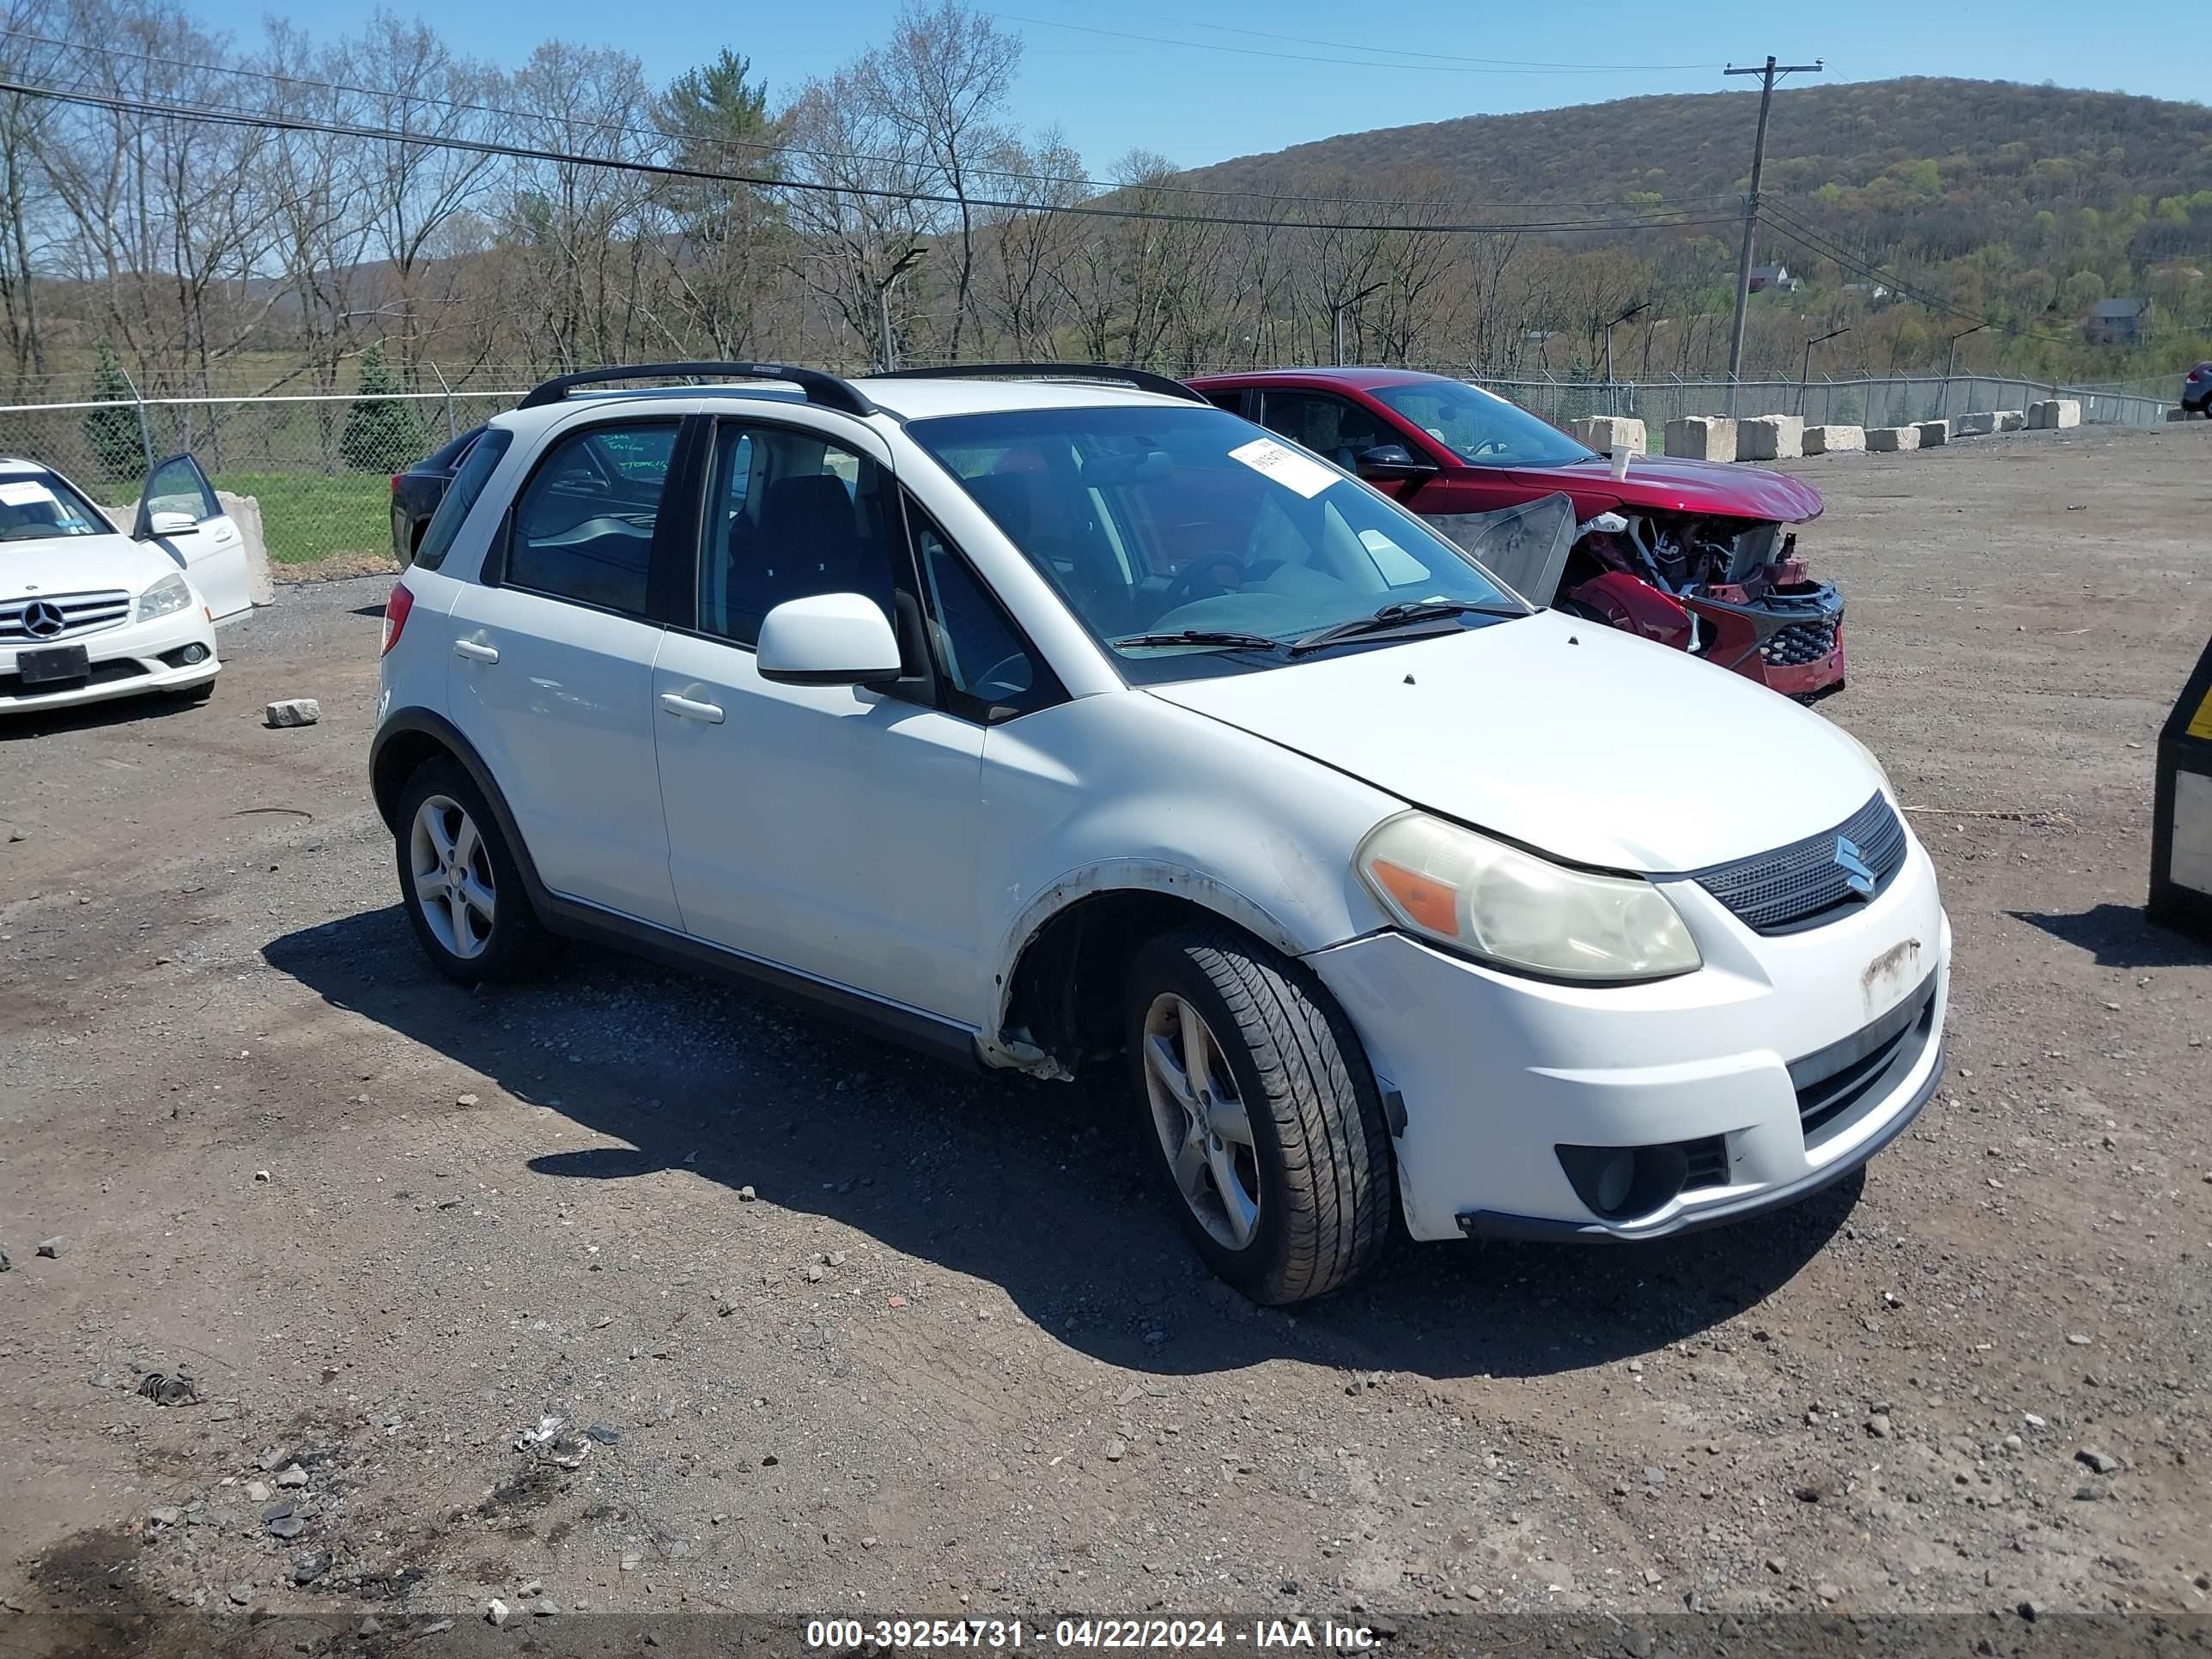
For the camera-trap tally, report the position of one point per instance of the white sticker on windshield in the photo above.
(1286, 466)
(24, 492)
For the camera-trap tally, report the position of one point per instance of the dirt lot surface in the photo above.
(673, 1301)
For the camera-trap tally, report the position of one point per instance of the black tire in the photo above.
(1327, 1198)
(516, 943)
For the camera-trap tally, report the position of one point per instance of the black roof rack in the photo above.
(1142, 378)
(830, 391)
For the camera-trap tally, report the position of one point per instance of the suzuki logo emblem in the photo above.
(1859, 874)
(43, 619)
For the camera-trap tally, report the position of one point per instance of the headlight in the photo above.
(1517, 910)
(168, 594)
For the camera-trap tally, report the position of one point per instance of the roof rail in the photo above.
(830, 391)
(1142, 378)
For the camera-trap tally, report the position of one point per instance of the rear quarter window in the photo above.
(475, 472)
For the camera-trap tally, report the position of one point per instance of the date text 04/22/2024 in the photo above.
(1150, 1634)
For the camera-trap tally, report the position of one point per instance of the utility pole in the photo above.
(1768, 74)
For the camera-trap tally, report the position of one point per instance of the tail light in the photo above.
(396, 477)
(395, 615)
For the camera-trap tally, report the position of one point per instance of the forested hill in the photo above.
(1939, 166)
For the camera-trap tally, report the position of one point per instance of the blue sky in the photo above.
(1197, 105)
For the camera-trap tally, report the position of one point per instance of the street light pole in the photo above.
(888, 345)
(1336, 319)
(1951, 365)
(1805, 373)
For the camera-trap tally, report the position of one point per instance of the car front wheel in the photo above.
(1261, 1113)
(459, 880)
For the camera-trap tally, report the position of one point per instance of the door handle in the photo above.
(690, 710)
(476, 652)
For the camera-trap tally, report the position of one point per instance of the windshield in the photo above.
(1479, 427)
(37, 506)
(1154, 523)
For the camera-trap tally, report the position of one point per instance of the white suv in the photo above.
(1035, 716)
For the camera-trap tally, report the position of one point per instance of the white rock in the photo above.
(293, 711)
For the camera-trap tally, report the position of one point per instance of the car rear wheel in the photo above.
(459, 880)
(1260, 1114)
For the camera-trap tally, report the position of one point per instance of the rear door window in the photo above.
(583, 524)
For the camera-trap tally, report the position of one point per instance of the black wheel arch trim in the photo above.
(414, 722)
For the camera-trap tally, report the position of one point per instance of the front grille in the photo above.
(1803, 885)
(1842, 1082)
(1708, 1160)
(1798, 643)
(81, 613)
(103, 673)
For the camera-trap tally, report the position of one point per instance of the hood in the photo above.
(80, 564)
(1590, 744)
(1722, 488)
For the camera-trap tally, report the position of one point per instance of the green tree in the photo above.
(382, 433)
(111, 432)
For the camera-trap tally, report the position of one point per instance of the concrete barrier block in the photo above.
(1702, 438)
(1887, 440)
(1609, 434)
(1770, 438)
(1834, 440)
(2053, 413)
(1934, 434)
(1976, 426)
(2011, 420)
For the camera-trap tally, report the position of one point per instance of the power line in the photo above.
(661, 169)
(770, 148)
(1339, 62)
(1444, 57)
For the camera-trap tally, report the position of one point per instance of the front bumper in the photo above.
(125, 662)
(1493, 1074)
(1789, 641)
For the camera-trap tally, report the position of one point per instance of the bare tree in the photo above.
(941, 85)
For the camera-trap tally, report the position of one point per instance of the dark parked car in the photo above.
(2196, 391)
(416, 492)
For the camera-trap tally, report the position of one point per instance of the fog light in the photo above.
(1614, 1176)
(192, 653)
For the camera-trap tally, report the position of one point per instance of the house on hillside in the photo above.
(1872, 292)
(1777, 277)
(2116, 322)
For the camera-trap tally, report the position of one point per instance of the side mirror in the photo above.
(162, 526)
(829, 639)
(1386, 463)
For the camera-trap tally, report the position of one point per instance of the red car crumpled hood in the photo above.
(1722, 487)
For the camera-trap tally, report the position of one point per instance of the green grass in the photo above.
(308, 517)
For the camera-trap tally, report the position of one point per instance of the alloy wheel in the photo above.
(451, 871)
(1201, 1122)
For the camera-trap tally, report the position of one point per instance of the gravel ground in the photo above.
(673, 1301)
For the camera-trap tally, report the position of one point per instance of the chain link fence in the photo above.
(320, 466)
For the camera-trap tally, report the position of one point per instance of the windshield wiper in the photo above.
(1397, 615)
(1201, 636)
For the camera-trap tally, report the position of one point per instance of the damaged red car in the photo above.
(1697, 555)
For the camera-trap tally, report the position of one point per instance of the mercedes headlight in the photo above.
(170, 593)
(1510, 907)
